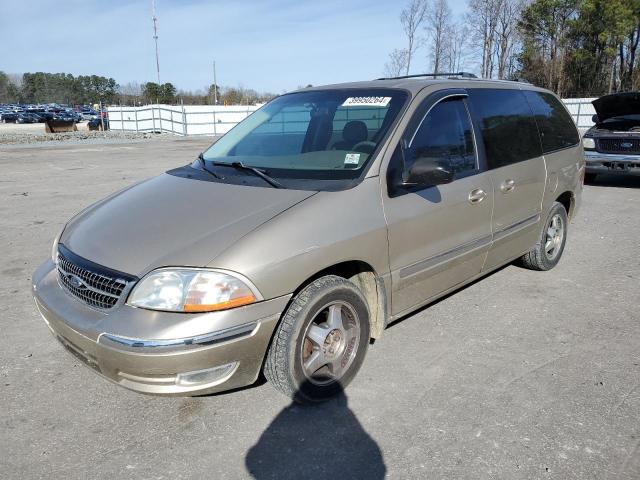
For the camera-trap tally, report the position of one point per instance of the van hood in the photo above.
(617, 105)
(172, 221)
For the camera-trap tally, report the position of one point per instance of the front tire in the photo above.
(547, 252)
(321, 341)
(590, 177)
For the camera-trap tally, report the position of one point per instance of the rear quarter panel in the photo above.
(565, 170)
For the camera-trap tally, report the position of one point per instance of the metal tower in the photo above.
(155, 36)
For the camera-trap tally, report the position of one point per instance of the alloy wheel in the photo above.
(554, 236)
(330, 343)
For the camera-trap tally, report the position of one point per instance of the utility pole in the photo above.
(215, 85)
(155, 36)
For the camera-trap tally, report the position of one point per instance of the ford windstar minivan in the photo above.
(290, 243)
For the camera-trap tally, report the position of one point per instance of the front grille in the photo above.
(618, 145)
(95, 285)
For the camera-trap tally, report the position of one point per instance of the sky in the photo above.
(268, 45)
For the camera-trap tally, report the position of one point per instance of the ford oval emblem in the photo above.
(76, 282)
(626, 145)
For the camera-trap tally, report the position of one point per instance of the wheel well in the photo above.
(365, 278)
(566, 199)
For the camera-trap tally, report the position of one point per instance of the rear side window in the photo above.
(507, 126)
(556, 126)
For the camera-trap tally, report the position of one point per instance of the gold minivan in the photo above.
(290, 243)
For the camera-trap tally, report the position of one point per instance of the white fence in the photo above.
(179, 120)
(218, 120)
(581, 110)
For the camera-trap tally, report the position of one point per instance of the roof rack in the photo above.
(434, 75)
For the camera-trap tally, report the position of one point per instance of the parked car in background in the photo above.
(48, 111)
(292, 241)
(45, 115)
(98, 124)
(39, 117)
(27, 118)
(65, 116)
(9, 117)
(89, 114)
(77, 116)
(612, 145)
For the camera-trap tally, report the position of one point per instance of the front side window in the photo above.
(508, 129)
(446, 134)
(323, 134)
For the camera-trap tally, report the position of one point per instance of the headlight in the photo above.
(589, 143)
(192, 290)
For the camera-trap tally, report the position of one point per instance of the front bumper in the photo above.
(612, 163)
(160, 353)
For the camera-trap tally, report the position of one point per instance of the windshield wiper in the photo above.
(260, 173)
(203, 164)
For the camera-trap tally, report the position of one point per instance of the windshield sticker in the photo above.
(366, 102)
(352, 159)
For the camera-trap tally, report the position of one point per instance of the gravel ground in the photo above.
(520, 375)
(34, 133)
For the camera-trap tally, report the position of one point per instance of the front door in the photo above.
(438, 235)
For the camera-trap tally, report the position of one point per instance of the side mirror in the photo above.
(426, 171)
(595, 119)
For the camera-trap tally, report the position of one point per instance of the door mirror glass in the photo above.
(428, 172)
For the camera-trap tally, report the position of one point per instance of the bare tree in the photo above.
(482, 17)
(457, 48)
(411, 18)
(397, 64)
(130, 93)
(438, 26)
(131, 89)
(15, 79)
(508, 15)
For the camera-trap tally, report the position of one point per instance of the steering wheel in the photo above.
(364, 147)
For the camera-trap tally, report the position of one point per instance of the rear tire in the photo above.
(547, 252)
(320, 342)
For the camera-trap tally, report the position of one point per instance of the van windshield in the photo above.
(322, 134)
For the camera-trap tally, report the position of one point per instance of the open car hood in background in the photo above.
(617, 104)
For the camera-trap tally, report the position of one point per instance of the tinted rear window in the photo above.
(556, 126)
(508, 129)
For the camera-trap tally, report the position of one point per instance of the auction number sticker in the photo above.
(366, 102)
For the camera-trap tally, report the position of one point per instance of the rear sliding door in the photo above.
(514, 158)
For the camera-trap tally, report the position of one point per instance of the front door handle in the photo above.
(507, 186)
(476, 196)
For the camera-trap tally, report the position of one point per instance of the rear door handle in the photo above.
(476, 196)
(507, 186)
